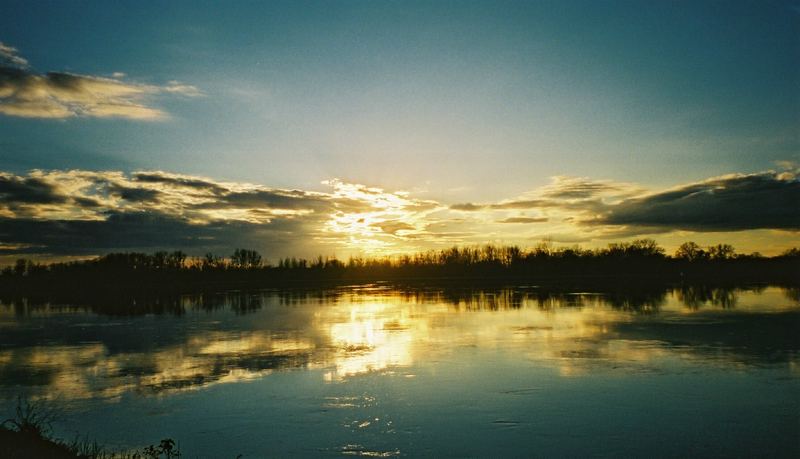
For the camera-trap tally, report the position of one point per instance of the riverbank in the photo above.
(23, 445)
(20, 444)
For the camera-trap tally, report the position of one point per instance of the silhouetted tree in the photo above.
(244, 258)
(690, 251)
(21, 267)
(176, 260)
(721, 252)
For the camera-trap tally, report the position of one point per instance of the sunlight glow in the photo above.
(375, 337)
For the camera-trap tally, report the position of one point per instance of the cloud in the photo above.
(728, 203)
(517, 204)
(134, 194)
(523, 220)
(373, 219)
(89, 195)
(393, 226)
(468, 207)
(179, 181)
(523, 204)
(74, 212)
(273, 199)
(9, 57)
(19, 191)
(504, 205)
(143, 231)
(77, 211)
(576, 188)
(736, 202)
(25, 93)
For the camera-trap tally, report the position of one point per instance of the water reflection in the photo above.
(79, 351)
(369, 336)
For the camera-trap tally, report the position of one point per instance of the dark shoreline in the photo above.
(19, 445)
(200, 282)
(137, 281)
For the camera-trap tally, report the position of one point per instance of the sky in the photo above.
(382, 127)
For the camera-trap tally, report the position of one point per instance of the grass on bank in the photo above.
(29, 434)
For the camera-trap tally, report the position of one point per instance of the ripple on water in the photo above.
(357, 401)
(360, 450)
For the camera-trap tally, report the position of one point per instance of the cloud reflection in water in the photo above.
(66, 353)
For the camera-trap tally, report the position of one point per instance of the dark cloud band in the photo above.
(742, 202)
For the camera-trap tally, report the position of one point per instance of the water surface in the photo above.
(378, 371)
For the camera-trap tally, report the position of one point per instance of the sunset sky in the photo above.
(382, 127)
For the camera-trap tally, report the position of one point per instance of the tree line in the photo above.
(639, 258)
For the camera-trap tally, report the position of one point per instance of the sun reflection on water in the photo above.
(374, 336)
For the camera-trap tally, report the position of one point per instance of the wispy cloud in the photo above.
(26, 93)
(9, 56)
(467, 207)
(580, 188)
(523, 220)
